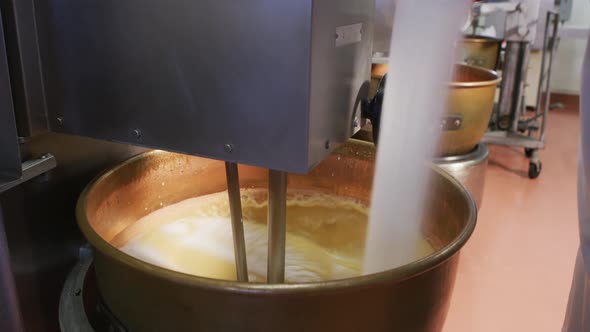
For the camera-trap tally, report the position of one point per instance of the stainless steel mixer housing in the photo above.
(275, 84)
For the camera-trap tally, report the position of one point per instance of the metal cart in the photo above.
(511, 125)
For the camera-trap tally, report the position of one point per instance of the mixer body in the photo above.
(210, 78)
(270, 84)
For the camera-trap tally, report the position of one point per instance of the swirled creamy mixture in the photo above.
(325, 236)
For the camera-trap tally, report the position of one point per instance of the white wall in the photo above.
(568, 61)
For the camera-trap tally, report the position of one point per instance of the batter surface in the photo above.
(325, 236)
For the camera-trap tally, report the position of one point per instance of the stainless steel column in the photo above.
(277, 226)
(554, 34)
(513, 81)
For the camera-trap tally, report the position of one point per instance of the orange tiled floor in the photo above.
(515, 271)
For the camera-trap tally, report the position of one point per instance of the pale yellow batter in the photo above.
(325, 236)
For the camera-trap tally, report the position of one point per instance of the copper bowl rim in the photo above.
(493, 78)
(397, 274)
(481, 39)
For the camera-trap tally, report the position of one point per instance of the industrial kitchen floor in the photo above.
(515, 272)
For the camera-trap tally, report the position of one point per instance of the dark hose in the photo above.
(372, 108)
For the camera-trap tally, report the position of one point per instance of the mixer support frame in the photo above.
(10, 315)
(277, 226)
(237, 225)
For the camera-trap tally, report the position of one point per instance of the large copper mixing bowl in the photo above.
(414, 297)
(470, 101)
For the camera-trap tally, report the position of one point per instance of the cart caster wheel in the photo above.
(528, 152)
(535, 170)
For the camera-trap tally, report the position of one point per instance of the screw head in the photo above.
(137, 133)
(228, 148)
(457, 122)
(60, 120)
